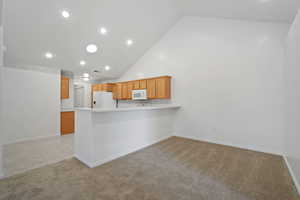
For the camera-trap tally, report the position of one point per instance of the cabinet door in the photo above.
(151, 89)
(94, 88)
(108, 87)
(129, 89)
(143, 84)
(163, 88)
(67, 120)
(64, 90)
(115, 91)
(136, 85)
(124, 91)
(119, 90)
(101, 87)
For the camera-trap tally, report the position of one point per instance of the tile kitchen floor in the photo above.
(22, 156)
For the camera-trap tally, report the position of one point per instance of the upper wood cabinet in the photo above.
(94, 88)
(136, 85)
(105, 87)
(151, 88)
(143, 84)
(118, 90)
(64, 89)
(129, 89)
(124, 90)
(157, 88)
(163, 88)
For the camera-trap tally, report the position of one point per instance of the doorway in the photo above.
(79, 96)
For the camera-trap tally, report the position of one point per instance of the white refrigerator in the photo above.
(103, 100)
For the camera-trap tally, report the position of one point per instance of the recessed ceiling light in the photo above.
(49, 55)
(91, 48)
(86, 75)
(82, 63)
(107, 68)
(102, 30)
(65, 14)
(129, 42)
(85, 79)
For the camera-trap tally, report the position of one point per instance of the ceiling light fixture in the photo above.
(129, 42)
(65, 14)
(91, 48)
(102, 31)
(85, 79)
(82, 63)
(49, 55)
(107, 68)
(85, 75)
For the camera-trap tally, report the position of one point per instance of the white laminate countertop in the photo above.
(67, 109)
(103, 110)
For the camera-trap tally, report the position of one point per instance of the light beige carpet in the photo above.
(175, 169)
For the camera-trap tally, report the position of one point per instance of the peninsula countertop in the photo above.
(127, 109)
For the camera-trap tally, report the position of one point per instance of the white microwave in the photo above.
(139, 94)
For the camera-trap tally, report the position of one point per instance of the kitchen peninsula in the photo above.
(103, 135)
(106, 133)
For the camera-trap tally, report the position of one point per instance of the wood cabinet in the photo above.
(124, 91)
(143, 84)
(157, 88)
(67, 122)
(94, 88)
(136, 85)
(129, 89)
(118, 90)
(64, 88)
(151, 89)
(163, 88)
(105, 87)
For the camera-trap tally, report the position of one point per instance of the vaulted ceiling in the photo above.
(34, 27)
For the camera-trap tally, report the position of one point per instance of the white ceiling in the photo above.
(33, 27)
(258, 10)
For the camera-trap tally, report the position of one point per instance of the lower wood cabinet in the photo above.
(64, 87)
(67, 122)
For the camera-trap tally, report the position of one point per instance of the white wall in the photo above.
(292, 71)
(1, 33)
(227, 75)
(31, 104)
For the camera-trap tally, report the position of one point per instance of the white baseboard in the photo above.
(252, 148)
(32, 139)
(292, 174)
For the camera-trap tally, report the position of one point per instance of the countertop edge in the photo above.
(129, 109)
